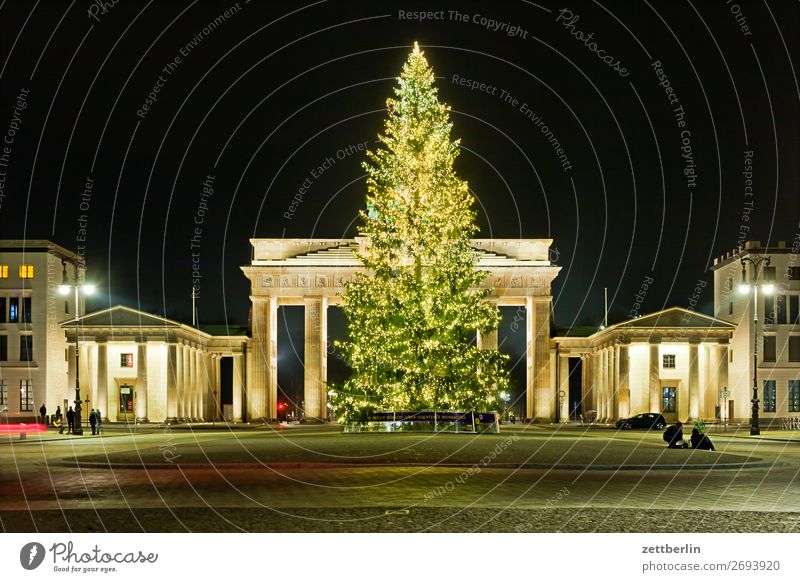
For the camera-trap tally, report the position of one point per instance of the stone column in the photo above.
(173, 375)
(316, 358)
(218, 388)
(102, 381)
(194, 381)
(604, 375)
(655, 380)
(563, 386)
(208, 387)
(262, 396)
(530, 381)
(615, 382)
(624, 389)
(86, 383)
(586, 384)
(141, 380)
(238, 372)
(186, 382)
(202, 385)
(179, 371)
(722, 384)
(597, 386)
(540, 395)
(694, 381)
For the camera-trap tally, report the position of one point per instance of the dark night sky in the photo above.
(278, 87)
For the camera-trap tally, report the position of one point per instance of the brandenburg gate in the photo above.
(313, 273)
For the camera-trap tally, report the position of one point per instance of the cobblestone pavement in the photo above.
(47, 486)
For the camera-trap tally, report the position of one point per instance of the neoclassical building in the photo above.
(140, 367)
(313, 272)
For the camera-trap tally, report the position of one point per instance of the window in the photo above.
(769, 309)
(780, 309)
(794, 309)
(794, 395)
(25, 348)
(26, 310)
(4, 392)
(769, 348)
(668, 361)
(668, 399)
(730, 308)
(794, 348)
(730, 355)
(769, 273)
(769, 395)
(2, 309)
(26, 271)
(794, 273)
(26, 396)
(126, 360)
(3, 271)
(3, 348)
(13, 310)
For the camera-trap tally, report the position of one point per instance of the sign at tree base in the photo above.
(428, 421)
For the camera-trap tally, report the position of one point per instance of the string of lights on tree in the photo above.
(412, 316)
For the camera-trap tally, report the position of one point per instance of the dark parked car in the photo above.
(646, 420)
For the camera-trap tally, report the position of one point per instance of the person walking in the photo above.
(70, 420)
(93, 420)
(97, 418)
(43, 414)
(59, 421)
(701, 441)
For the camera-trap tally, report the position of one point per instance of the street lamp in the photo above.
(767, 289)
(87, 289)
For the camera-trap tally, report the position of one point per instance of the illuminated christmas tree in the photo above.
(412, 317)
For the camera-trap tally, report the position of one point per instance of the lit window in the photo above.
(3, 271)
(769, 395)
(126, 360)
(26, 271)
(794, 395)
(26, 396)
(13, 310)
(669, 361)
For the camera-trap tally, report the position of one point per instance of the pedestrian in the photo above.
(59, 421)
(701, 441)
(674, 436)
(43, 413)
(513, 418)
(70, 420)
(93, 420)
(97, 418)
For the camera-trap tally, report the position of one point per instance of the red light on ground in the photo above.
(22, 428)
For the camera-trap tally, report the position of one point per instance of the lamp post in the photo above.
(86, 289)
(745, 288)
